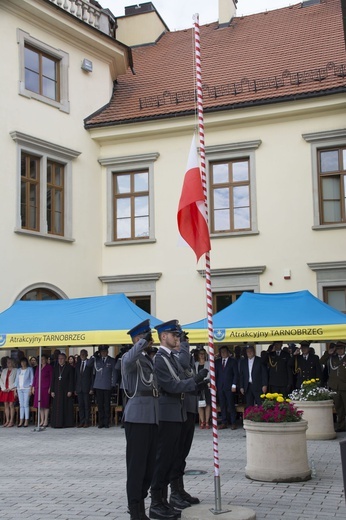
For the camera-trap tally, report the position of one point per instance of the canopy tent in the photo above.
(79, 321)
(264, 318)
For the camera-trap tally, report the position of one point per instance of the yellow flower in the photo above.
(262, 396)
(280, 399)
(288, 400)
(275, 395)
(313, 381)
(269, 396)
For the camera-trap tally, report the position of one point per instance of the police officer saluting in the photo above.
(172, 414)
(141, 417)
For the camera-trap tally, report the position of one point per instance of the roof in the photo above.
(284, 54)
(263, 318)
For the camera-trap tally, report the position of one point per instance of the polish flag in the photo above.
(192, 218)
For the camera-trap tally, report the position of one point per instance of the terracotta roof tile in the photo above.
(261, 58)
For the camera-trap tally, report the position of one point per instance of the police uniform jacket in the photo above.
(140, 386)
(280, 372)
(172, 387)
(337, 372)
(186, 361)
(104, 372)
(306, 369)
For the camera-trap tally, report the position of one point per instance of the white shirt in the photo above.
(250, 365)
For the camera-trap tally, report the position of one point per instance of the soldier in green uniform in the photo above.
(336, 364)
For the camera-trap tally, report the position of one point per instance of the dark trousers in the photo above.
(252, 397)
(340, 408)
(84, 407)
(141, 446)
(227, 405)
(185, 442)
(167, 450)
(103, 398)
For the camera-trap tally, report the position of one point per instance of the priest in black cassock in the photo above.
(62, 393)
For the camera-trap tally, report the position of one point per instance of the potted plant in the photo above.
(276, 441)
(317, 404)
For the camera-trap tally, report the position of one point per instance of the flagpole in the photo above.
(217, 483)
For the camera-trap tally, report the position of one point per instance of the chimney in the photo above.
(227, 10)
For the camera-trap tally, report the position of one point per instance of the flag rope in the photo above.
(207, 254)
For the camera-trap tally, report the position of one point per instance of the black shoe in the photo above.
(185, 495)
(100, 426)
(177, 501)
(158, 509)
(106, 426)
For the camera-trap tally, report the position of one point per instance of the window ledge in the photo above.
(131, 242)
(325, 227)
(43, 235)
(234, 234)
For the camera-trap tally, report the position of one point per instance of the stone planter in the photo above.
(276, 452)
(319, 415)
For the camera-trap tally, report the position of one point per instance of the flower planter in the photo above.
(276, 452)
(319, 415)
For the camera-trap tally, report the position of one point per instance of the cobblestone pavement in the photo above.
(80, 474)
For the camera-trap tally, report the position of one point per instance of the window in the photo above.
(131, 205)
(332, 185)
(230, 196)
(30, 192)
(40, 294)
(232, 188)
(43, 72)
(335, 297)
(30, 195)
(45, 195)
(55, 198)
(223, 300)
(130, 199)
(143, 302)
(328, 163)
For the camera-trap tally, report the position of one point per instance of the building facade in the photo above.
(95, 139)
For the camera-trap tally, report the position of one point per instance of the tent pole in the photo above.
(38, 428)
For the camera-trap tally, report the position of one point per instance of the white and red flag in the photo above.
(192, 216)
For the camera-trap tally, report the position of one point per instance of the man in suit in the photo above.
(253, 377)
(226, 376)
(280, 373)
(141, 418)
(172, 414)
(305, 365)
(104, 369)
(83, 388)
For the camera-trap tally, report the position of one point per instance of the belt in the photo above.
(148, 393)
(178, 396)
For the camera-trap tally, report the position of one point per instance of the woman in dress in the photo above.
(7, 379)
(204, 397)
(44, 395)
(23, 384)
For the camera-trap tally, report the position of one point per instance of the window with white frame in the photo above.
(43, 72)
(130, 199)
(232, 188)
(44, 187)
(328, 161)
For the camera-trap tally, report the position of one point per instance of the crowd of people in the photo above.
(165, 390)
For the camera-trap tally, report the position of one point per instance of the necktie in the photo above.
(305, 357)
(83, 366)
(278, 352)
(104, 359)
(223, 363)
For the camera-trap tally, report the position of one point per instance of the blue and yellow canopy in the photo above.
(79, 321)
